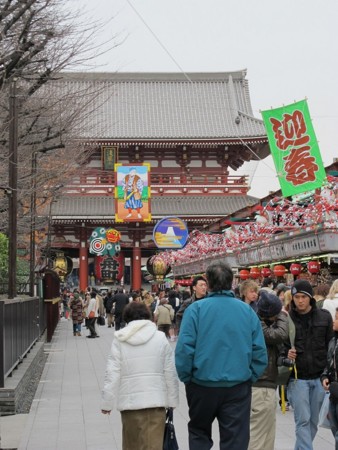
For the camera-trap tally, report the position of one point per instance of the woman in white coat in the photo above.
(141, 379)
(331, 302)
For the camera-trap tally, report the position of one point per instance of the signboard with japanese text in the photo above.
(109, 157)
(132, 193)
(294, 148)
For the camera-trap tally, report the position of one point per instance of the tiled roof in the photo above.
(165, 105)
(85, 207)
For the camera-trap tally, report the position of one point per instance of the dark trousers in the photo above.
(118, 321)
(229, 405)
(91, 326)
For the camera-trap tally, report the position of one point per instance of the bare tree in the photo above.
(39, 39)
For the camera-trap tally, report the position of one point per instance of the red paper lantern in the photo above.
(295, 268)
(266, 272)
(244, 274)
(109, 268)
(313, 266)
(279, 270)
(255, 272)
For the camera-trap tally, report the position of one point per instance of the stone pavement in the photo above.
(65, 414)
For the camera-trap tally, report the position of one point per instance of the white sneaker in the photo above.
(129, 215)
(139, 216)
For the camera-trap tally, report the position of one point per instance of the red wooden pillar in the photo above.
(83, 261)
(136, 268)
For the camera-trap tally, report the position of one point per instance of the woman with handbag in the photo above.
(92, 314)
(76, 307)
(141, 379)
(329, 379)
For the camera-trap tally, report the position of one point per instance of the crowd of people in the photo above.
(231, 346)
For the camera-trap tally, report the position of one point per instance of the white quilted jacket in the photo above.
(140, 371)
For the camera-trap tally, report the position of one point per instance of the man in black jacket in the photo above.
(120, 300)
(313, 334)
(199, 291)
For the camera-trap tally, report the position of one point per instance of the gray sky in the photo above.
(289, 49)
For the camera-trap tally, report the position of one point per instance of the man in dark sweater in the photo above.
(120, 300)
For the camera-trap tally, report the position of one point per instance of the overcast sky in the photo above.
(289, 49)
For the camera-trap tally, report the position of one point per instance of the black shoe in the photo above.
(90, 337)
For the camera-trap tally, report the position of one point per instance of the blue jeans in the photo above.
(306, 398)
(333, 416)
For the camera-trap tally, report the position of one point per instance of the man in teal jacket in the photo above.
(220, 352)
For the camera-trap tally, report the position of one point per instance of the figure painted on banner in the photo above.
(133, 186)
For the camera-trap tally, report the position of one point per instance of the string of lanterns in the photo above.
(279, 270)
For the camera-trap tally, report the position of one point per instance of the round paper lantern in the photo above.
(158, 267)
(279, 270)
(255, 272)
(295, 268)
(266, 272)
(244, 274)
(109, 268)
(313, 266)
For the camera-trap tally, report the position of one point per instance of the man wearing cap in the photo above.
(313, 334)
(263, 402)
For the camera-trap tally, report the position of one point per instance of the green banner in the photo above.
(294, 148)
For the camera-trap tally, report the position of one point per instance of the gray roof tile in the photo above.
(166, 106)
(104, 207)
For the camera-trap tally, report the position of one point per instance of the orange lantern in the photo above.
(279, 270)
(266, 272)
(255, 272)
(313, 266)
(295, 268)
(244, 274)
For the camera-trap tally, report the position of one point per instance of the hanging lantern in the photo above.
(279, 270)
(266, 272)
(244, 274)
(60, 265)
(255, 272)
(157, 267)
(109, 268)
(295, 268)
(313, 266)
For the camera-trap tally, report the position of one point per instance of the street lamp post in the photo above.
(32, 227)
(13, 193)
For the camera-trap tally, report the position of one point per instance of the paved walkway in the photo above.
(65, 414)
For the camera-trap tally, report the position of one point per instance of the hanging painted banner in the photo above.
(132, 193)
(294, 148)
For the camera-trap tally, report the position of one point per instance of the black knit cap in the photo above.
(302, 287)
(269, 304)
